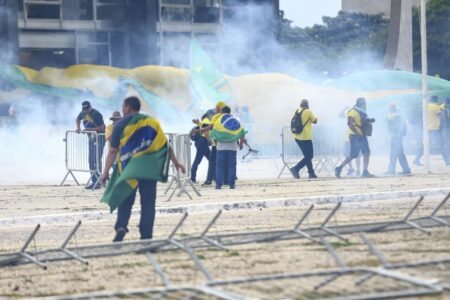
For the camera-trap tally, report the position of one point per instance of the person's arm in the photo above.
(313, 119)
(78, 122)
(242, 142)
(179, 167)
(352, 124)
(98, 119)
(110, 158)
(100, 128)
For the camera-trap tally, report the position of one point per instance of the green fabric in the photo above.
(153, 166)
(205, 79)
(226, 136)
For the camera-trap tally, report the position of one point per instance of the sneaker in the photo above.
(350, 172)
(295, 173)
(218, 187)
(94, 187)
(405, 173)
(193, 180)
(358, 173)
(232, 187)
(120, 234)
(337, 172)
(313, 176)
(366, 174)
(389, 173)
(206, 183)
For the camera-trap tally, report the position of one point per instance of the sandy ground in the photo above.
(134, 271)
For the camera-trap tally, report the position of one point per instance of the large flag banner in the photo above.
(143, 155)
(205, 79)
(227, 129)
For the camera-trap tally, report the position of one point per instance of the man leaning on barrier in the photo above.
(93, 121)
(141, 150)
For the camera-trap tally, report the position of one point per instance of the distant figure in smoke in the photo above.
(397, 130)
(359, 128)
(201, 143)
(93, 121)
(435, 130)
(303, 137)
(351, 170)
(109, 129)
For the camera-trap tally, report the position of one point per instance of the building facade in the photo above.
(122, 33)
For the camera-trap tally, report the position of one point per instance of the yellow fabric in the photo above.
(204, 122)
(158, 143)
(434, 122)
(213, 122)
(354, 114)
(308, 118)
(108, 131)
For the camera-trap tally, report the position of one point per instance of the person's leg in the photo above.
(441, 144)
(220, 166)
(101, 147)
(419, 153)
(147, 190)
(296, 169)
(92, 160)
(211, 166)
(365, 150)
(232, 163)
(402, 158)
(198, 158)
(308, 152)
(393, 154)
(354, 152)
(123, 217)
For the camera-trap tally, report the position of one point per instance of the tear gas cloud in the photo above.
(33, 150)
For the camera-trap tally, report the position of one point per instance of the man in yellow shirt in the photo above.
(435, 121)
(358, 129)
(304, 140)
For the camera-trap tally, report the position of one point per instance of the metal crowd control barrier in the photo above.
(181, 145)
(84, 152)
(328, 148)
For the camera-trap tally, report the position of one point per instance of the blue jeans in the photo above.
(147, 190)
(226, 166)
(202, 151)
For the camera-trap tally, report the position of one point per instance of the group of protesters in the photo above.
(137, 141)
(359, 127)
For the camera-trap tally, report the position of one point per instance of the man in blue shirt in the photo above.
(93, 121)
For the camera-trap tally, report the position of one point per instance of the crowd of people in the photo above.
(217, 137)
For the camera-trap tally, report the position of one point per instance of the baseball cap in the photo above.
(86, 104)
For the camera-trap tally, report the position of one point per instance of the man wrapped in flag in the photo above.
(230, 137)
(142, 152)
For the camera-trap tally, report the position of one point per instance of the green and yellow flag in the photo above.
(227, 129)
(143, 154)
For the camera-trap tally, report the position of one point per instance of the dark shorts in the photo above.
(358, 144)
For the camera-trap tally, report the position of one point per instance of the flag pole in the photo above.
(423, 41)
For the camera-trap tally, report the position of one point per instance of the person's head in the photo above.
(219, 106)
(361, 102)
(434, 99)
(86, 106)
(226, 110)
(115, 116)
(131, 105)
(304, 104)
(393, 107)
(210, 113)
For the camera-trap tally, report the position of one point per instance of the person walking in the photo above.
(141, 149)
(351, 171)
(304, 139)
(229, 136)
(201, 143)
(359, 128)
(93, 122)
(397, 130)
(109, 129)
(435, 126)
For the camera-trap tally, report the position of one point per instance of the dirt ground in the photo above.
(134, 271)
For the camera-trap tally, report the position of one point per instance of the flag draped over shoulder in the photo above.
(143, 154)
(227, 129)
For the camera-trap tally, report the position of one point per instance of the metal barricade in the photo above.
(84, 152)
(328, 148)
(181, 146)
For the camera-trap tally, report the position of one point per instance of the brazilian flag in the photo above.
(143, 154)
(227, 129)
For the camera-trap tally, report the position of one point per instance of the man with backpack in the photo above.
(301, 128)
(359, 128)
(201, 143)
(397, 130)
